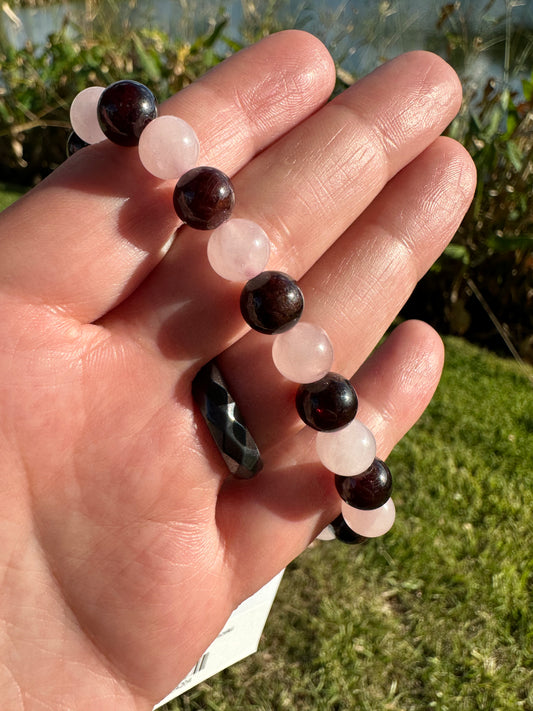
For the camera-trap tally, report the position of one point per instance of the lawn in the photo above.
(438, 613)
(8, 195)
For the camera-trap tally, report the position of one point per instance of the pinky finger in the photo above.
(266, 522)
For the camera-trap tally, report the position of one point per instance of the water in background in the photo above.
(360, 34)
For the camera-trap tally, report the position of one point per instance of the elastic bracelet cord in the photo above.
(271, 303)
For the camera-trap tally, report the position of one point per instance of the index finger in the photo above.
(107, 220)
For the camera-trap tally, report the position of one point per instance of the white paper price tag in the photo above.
(238, 639)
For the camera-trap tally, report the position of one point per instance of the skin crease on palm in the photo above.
(123, 550)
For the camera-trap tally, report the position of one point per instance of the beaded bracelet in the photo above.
(271, 303)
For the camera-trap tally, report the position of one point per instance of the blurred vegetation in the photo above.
(38, 83)
(482, 287)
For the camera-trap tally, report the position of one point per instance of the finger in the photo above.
(295, 497)
(305, 190)
(89, 234)
(355, 291)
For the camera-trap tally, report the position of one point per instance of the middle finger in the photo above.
(305, 191)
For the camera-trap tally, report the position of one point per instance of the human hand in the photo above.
(123, 550)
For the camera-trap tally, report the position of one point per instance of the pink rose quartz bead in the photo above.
(304, 354)
(84, 116)
(347, 452)
(168, 147)
(238, 250)
(370, 524)
(326, 534)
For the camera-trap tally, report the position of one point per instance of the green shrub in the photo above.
(482, 287)
(38, 84)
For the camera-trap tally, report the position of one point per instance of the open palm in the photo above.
(123, 545)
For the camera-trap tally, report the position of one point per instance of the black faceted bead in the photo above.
(344, 533)
(75, 144)
(368, 490)
(226, 423)
(327, 404)
(204, 198)
(271, 302)
(125, 108)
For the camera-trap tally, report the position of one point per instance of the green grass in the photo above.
(437, 614)
(8, 195)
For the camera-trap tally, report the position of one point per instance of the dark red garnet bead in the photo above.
(75, 144)
(344, 533)
(271, 302)
(124, 109)
(204, 198)
(368, 490)
(327, 404)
